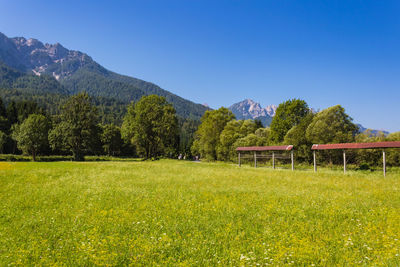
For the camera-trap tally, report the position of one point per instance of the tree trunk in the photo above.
(34, 155)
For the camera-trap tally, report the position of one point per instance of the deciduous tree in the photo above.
(152, 126)
(232, 132)
(32, 135)
(207, 137)
(288, 114)
(331, 125)
(77, 131)
(297, 137)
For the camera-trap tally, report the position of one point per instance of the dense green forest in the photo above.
(24, 94)
(150, 128)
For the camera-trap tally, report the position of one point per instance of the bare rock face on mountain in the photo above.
(31, 54)
(271, 110)
(249, 109)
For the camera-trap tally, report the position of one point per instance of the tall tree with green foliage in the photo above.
(288, 114)
(232, 132)
(32, 135)
(152, 126)
(207, 137)
(77, 130)
(111, 139)
(331, 125)
(128, 124)
(128, 130)
(297, 137)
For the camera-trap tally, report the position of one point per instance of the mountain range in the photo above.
(249, 109)
(75, 72)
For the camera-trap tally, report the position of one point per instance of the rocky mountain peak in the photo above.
(32, 55)
(271, 110)
(27, 44)
(34, 42)
(249, 109)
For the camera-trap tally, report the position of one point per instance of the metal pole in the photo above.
(344, 161)
(315, 162)
(273, 160)
(384, 163)
(255, 159)
(291, 156)
(239, 159)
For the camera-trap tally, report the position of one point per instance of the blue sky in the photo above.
(221, 52)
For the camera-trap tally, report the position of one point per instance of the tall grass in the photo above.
(175, 212)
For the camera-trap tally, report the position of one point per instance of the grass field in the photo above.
(174, 212)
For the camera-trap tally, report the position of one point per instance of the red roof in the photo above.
(390, 144)
(264, 148)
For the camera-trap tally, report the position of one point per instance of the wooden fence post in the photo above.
(273, 160)
(384, 163)
(315, 162)
(239, 159)
(344, 161)
(255, 159)
(291, 156)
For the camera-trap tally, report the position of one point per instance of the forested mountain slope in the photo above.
(50, 94)
(76, 72)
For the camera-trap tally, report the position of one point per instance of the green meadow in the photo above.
(172, 212)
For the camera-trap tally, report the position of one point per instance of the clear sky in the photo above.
(221, 52)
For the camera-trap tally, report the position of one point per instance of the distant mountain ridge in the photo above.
(372, 132)
(77, 72)
(249, 109)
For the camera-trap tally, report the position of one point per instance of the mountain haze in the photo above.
(77, 72)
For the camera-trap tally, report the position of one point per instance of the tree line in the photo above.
(150, 129)
(219, 134)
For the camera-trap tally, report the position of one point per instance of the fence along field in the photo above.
(271, 150)
(170, 212)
